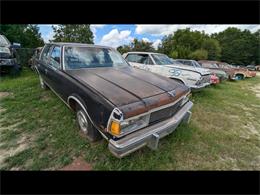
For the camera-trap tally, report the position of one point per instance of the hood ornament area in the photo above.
(172, 93)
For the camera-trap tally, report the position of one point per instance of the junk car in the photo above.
(130, 108)
(161, 64)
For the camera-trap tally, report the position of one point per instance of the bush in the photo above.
(23, 55)
(199, 54)
(174, 54)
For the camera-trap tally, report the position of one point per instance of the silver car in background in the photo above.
(195, 78)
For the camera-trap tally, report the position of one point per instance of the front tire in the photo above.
(85, 125)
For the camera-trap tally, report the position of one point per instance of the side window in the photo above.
(142, 58)
(44, 55)
(131, 58)
(187, 63)
(206, 65)
(55, 58)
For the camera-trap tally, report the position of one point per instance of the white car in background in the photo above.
(195, 78)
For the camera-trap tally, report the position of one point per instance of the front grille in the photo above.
(164, 113)
(204, 79)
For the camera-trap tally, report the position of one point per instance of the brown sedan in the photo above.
(130, 108)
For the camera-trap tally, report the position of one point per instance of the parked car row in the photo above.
(195, 78)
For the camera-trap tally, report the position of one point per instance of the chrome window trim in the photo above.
(63, 65)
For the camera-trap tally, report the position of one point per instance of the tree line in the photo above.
(232, 45)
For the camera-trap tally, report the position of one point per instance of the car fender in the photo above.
(82, 104)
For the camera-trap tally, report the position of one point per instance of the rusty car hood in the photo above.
(134, 91)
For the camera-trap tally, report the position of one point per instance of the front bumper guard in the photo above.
(199, 87)
(150, 135)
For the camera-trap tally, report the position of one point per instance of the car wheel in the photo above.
(85, 125)
(42, 84)
(239, 77)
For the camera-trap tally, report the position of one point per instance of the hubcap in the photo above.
(83, 123)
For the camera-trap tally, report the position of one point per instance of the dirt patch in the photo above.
(78, 165)
(4, 94)
(256, 89)
(6, 153)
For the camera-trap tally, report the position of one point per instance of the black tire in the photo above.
(42, 84)
(85, 126)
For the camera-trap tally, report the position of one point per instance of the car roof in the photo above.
(142, 52)
(184, 60)
(77, 44)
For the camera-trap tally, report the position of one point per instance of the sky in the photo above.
(114, 35)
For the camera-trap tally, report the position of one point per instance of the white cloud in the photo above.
(160, 30)
(146, 39)
(156, 43)
(116, 38)
(94, 27)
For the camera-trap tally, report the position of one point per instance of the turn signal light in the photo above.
(115, 128)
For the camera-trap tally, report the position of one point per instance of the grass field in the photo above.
(38, 132)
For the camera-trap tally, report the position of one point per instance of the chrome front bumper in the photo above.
(199, 87)
(150, 135)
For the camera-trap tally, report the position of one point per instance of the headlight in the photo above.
(134, 123)
(120, 128)
(7, 61)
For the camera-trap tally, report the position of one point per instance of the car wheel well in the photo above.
(73, 104)
(240, 74)
(178, 80)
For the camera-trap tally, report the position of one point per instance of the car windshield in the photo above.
(161, 59)
(175, 61)
(92, 57)
(196, 64)
(4, 42)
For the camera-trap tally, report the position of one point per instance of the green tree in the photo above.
(199, 54)
(238, 47)
(257, 46)
(182, 43)
(124, 49)
(32, 37)
(73, 33)
(27, 35)
(137, 45)
(140, 45)
(213, 48)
